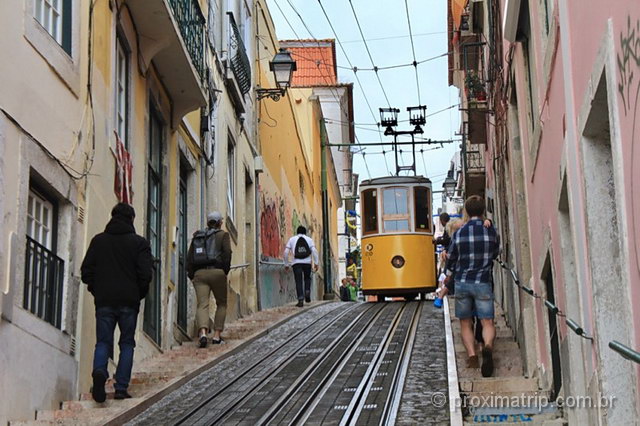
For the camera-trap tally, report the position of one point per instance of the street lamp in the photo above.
(283, 67)
(449, 185)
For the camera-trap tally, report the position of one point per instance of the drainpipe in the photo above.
(326, 253)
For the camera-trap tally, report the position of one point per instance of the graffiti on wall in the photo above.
(278, 222)
(628, 59)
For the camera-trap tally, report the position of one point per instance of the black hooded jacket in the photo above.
(118, 266)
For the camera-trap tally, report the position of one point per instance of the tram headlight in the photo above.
(397, 262)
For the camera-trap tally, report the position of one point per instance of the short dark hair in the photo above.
(444, 218)
(123, 210)
(474, 206)
(301, 230)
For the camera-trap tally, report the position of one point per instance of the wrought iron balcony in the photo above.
(43, 280)
(474, 173)
(238, 58)
(171, 35)
(240, 64)
(474, 162)
(191, 22)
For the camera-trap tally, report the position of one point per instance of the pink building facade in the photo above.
(560, 146)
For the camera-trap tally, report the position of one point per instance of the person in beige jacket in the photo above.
(207, 267)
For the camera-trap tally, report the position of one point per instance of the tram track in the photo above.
(354, 380)
(344, 366)
(219, 403)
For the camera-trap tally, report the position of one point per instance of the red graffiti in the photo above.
(270, 231)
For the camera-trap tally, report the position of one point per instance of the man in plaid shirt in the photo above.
(471, 253)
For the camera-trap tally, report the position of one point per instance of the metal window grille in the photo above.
(43, 283)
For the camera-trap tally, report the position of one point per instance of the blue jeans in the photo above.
(474, 300)
(106, 319)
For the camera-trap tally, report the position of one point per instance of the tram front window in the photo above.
(396, 225)
(396, 209)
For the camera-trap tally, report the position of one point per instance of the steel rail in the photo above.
(277, 406)
(253, 366)
(395, 395)
(305, 412)
(361, 398)
(229, 409)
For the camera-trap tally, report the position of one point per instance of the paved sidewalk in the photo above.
(509, 397)
(157, 376)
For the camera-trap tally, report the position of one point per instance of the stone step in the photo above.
(31, 422)
(84, 417)
(498, 371)
(499, 346)
(499, 384)
(501, 333)
(78, 406)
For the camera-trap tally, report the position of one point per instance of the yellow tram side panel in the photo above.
(418, 271)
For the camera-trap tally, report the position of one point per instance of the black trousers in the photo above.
(302, 273)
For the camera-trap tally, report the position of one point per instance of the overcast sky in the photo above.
(386, 31)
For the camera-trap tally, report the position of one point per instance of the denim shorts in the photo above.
(474, 300)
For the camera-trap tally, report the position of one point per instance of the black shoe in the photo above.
(487, 362)
(215, 341)
(97, 391)
(307, 299)
(203, 341)
(300, 304)
(122, 394)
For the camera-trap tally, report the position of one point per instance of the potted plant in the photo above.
(474, 87)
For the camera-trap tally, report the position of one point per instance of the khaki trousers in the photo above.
(206, 281)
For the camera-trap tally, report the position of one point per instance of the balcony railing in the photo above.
(474, 162)
(43, 279)
(191, 22)
(238, 58)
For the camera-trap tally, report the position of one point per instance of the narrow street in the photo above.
(327, 212)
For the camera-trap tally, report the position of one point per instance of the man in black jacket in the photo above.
(118, 270)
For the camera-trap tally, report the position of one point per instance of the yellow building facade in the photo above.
(291, 135)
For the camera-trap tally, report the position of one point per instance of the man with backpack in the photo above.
(304, 256)
(208, 263)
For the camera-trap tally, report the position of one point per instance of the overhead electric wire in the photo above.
(393, 37)
(413, 50)
(344, 52)
(355, 15)
(331, 87)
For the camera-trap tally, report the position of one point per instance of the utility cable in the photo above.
(355, 15)
(413, 50)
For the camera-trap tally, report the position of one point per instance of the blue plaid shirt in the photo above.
(471, 253)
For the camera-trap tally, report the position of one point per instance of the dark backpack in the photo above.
(302, 249)
(205, 250)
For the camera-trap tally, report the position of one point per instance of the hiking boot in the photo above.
(215, 341)
(300, 304)
(472, 362)
(121, 394)
(97, 391)
(203, 341)
(487, 362)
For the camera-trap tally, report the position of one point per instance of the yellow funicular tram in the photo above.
(397, 232)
